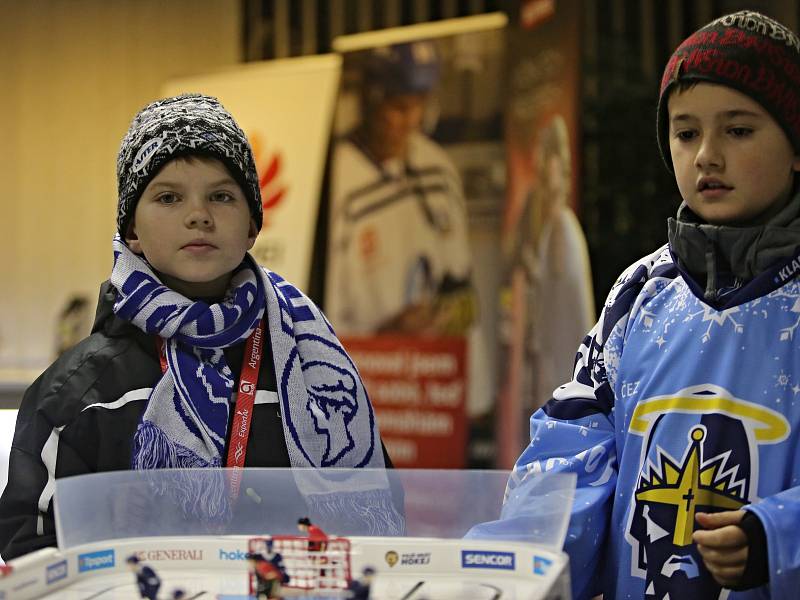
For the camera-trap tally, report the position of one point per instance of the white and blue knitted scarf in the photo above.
(327, 418)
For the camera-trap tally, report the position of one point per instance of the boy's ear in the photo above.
(252, 234)
(132, 240)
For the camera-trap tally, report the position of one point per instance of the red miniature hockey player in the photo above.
(276, 558)
(5, 570)
(268, 576)
(317, 543)
(317, 539)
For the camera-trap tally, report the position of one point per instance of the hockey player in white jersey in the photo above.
(398, 254)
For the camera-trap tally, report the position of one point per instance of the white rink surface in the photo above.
(218, 586)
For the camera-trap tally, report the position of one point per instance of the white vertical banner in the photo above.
(285, 107)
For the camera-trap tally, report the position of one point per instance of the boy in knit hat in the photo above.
(190, 341)
(682, 422)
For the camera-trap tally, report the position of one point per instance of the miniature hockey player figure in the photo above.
(317, 544)
(178, 594)
(359, 588)
(268, 576)
(277, 561)
(317, 539)
(146, 578)
(5, 570)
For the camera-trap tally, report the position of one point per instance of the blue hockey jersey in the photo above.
(675, 408)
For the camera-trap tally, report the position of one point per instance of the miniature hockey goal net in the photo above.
(308, 568)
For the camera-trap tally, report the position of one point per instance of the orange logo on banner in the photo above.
(269, 168)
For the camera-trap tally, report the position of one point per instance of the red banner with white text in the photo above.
(418, 387)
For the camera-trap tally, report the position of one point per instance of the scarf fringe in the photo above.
(369, 512)
(203, 497)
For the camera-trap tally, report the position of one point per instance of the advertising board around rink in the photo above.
(50, 571)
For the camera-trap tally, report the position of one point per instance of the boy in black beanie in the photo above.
(190, 341)
(682, 423)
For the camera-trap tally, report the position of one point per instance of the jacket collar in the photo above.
(710, 252)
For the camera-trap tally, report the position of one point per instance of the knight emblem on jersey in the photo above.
(711, 467)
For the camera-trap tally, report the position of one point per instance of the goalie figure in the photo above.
(269, 572)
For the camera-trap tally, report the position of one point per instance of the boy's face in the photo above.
(733, 162)
(193, 225)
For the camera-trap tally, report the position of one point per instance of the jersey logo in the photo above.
(686, 486)
(700, 454)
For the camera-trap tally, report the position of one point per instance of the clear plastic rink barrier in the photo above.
(447, 535)
(343, 502)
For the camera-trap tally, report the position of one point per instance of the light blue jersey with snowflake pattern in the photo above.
(677, 407)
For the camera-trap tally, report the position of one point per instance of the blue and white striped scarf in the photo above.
(327, 418)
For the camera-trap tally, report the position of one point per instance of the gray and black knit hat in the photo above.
(748, 52)
(189, 124)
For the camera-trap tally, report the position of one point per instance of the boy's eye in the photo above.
(222, 197)
(740, 131)
(167, 198)
(686, 135)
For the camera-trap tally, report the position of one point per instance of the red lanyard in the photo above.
(243, 416)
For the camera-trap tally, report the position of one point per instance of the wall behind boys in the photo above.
(72, 76)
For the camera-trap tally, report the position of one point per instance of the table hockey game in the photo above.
(91, 562)
(215, 568)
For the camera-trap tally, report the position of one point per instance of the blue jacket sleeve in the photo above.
(572, 435)
(575, 433)
(780, 514)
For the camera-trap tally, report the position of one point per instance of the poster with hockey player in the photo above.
(416, 178)
(547, 302)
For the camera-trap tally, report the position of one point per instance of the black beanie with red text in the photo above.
(746, 51)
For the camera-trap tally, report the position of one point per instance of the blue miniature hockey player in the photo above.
(359, 588)
(146, 578)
